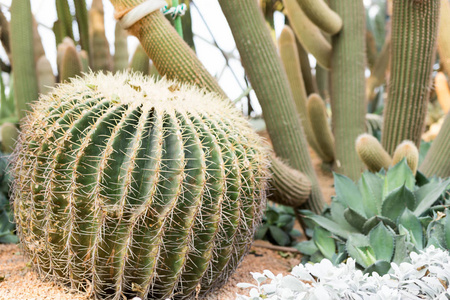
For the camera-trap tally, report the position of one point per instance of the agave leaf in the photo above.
(447, 229)
(397, 176)
(412, 224)
(382, 242)
(337, 214)
(348, 193)
(428, 194)
(372, 222)
(371, 187)
(381, 267)
(323, 240)
(261, 232)
(358, 247)
(436, 235)
(421, 179)
(307, 247)
(354, 218)
(332, 226)
(281, 237)
(271, 216)
(402, 249)
(397, 201)
(316, 257)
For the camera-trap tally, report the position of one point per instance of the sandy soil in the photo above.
(19, 282)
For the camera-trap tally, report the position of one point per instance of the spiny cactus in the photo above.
(71, 64)
(407, 150)
(321, 15)
(372, 153)
(64, 15)
(137, 188)
(414, 33)
(120, 48)
(83, 23)
(308, 34)
(45, 76)
(99, 55)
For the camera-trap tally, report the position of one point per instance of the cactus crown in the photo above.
(143, 188)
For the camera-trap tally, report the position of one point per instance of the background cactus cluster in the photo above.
(137, 188)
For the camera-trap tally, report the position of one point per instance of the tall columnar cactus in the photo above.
(120, 48)
(348, 85)
(25, 80)
(81, 14)
(308, 34)
(45, 76)
(321, 15)
(136, 188)
(37, 42)
(444, 36)
(99, 56)
(414, 33)
(140, 61)
(71, 64)
(64, 15)
(310, 82)
(9, 134)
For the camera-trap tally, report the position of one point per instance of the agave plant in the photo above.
(380, 219)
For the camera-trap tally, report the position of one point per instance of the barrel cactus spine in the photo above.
(144, 189)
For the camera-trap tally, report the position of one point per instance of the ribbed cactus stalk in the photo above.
(99, 56)
(372, 153)
(321, 15)
(444, 36)
(9, 134)
(437, 160)
(413, 37)
(136, 188)
(317, 115)
(64, 15)
(45, 76)
(82, 16)
(378, 72)
(407, 150)
(5, 34)
(308, 34)
(140, 61)
(290, 58)
(310, 82)
(37, 42)
(84, 58)
(71, 65)
(347, 85)
(121, 48)
(25, 79)
(323, 82)
(186, 23)
(442, 91)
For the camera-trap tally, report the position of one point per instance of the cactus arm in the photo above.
(290, 58)
(71, 64)
(310, 82)
(45, 76)
(22, 51)
(140, 61)
(81, 15)
(321, 15)
(413, 38)
(348, 85)
(64, 15)
(308, 34)
(121, 48)
(437, 160)
(444, 37)
(409, 151)
(186, 23)
(372, 153)
(272, 87)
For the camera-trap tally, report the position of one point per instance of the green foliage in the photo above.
(380, 219)
(278, 226)
(6, 215)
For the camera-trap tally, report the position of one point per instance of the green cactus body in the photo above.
(37, 42)
(372, 153)
(64, 15)
(84, 58)
(308, 34)
(186, 23)
(25, 79)
(45, 76)
(413, 38)
(317, 114)
(100, 57)
(437, 160)
(71, 64)
(347, 85)
(310, 82)
(58, 31)
(323, 82)
(378, 72)
(321, 15)
(121, 48)
(139, 188)
(140, 61)
(443, 36)
(81, 15)
(5, 34)
(409, 151)
(289, 57)
(9, 134)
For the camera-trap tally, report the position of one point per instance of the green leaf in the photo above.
(307, 247)
(271, 216)
(436, 235)
(382, 267)
(8, 238)
(337, 214)
(396, 202)
(447, 229)
(428, 194)
(397, 176)
(358, 247)
(382, 242)
(332, 226)
(348, 193)
(371, 187)
(402, 250)
(372, 222)
(261, 232)
(323, 240)
(421, 179)
(354, 219)
(411, 223)
(281, 237)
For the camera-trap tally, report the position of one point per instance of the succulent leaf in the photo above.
(380, 266)
(397, 201)
(348, 193)
(332, 226)
(354, 218)
(447, 228)
(375, 220)
(428, 194)
(412, 224)
(358, 247)
(323, 240)
(436, 235)
(398, 175)
(382, 242)
(371, 187)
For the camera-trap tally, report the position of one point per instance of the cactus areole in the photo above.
(128, 187)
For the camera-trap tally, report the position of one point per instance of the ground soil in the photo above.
(19, 281)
